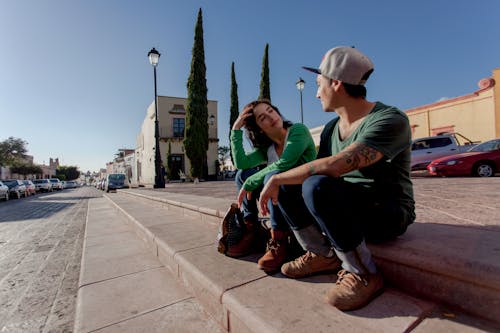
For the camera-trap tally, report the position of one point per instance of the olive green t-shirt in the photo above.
(387, 130)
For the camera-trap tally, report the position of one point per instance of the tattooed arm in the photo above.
(358, 155)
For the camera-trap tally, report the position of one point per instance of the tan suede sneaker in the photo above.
(309, 264)
(353, 291)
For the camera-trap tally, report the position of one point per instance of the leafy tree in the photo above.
(234, 110)
(12, 151)
(223, 151)
(265, 87)
(67, 173)
(196, 138)
(26, 169)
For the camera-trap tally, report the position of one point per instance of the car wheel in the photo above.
(484, 170)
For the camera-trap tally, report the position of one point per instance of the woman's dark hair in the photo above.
(355, 90)
(254, 133)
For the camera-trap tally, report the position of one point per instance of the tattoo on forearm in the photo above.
(360, 156)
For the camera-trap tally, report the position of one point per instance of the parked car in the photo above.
(115, 181)
(43, 185)
(425, 150)
(30, 187)
(70, 184)
(482, 160)
(4, 192)
(17, 189)
(56, 184)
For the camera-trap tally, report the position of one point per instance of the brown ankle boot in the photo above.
(272, 260)
(246, 245)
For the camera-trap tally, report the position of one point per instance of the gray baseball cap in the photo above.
(346, 64)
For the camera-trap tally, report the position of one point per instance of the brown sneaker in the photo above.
(246, 245)
(309, 264)
(353, 291)
(275, 255)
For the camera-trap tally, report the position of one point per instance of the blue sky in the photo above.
(75, 80)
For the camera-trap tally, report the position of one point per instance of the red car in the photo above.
(482, 160)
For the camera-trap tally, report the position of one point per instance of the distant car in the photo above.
(56, 184)
(482, 160)
(115, 181)
(43, 185)
(30, 187)
(17, 189)
(4, 192)
(70, 184)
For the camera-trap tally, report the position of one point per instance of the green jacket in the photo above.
(299, 149)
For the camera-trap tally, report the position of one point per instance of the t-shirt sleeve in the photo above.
(388, 133)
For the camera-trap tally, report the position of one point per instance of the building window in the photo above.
(178, 127)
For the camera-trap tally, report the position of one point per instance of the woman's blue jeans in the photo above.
(346, 212)
(249, 207)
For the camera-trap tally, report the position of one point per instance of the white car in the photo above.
(42, 185)
(56, 184)
(4, 192)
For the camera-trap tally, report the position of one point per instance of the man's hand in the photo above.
(270, 191)
(242, 194)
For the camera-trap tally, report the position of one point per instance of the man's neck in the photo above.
(354, 110)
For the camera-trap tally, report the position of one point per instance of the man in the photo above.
(357, 189)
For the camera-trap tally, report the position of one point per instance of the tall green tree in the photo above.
(265, 86)
(196, 138)
(67, 173)
(234, 110)
(12, 151)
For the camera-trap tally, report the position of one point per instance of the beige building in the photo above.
(171, 123)
(475, 116)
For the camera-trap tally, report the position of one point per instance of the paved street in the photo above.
(40, 253)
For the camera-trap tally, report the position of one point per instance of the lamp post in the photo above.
(300, 86)
(154, 56)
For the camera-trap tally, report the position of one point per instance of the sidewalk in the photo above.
(178, 225)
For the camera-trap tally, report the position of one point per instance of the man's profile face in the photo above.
(325, 92)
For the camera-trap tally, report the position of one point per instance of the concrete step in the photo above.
(124, 288)
(180, 229)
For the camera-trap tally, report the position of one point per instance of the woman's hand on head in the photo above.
(241, 120)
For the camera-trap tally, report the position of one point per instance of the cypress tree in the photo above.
(196, 138)
(234, 110)
(265, 87)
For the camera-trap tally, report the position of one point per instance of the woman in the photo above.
(278, 145)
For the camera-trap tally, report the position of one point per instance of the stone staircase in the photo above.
(440, 276)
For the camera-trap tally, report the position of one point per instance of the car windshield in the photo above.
(10, 182)
(54, 180)
(116, 177)
(487, 146)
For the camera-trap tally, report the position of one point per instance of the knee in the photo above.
(312, 185)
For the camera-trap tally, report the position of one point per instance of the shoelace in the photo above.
(306, 257)
(349, 278)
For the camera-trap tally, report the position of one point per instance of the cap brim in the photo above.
(310, 69)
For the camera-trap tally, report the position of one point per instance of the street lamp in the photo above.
(300, 86)
(211, 120)
(154, 56)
